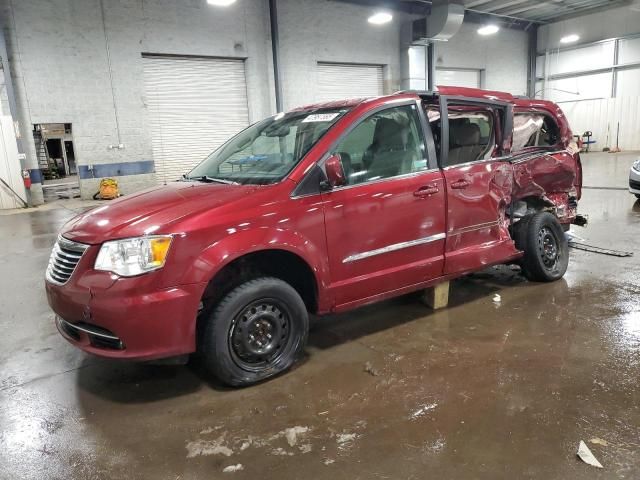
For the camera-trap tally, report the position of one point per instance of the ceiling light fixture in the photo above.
(221, 3)
(488, 30)
(570, 38)
(380, 18)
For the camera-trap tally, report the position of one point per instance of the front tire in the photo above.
(546, 250)
(255, 332)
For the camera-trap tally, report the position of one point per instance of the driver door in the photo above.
(386, 226)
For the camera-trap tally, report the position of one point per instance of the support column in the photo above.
(275, 51)
(531, 65)
(21, 126)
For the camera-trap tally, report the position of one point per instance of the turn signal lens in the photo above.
(159, 250)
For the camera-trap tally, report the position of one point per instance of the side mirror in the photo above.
(335, 171)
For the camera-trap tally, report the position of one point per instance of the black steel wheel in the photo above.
(260, 334)
(546, 250)
(257, 331)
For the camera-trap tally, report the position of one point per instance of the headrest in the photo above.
(389, 133)
(465, 134)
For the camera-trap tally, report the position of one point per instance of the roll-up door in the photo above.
(338, 81)
(195, 105)
(458, 77)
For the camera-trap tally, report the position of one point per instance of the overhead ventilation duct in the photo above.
(441, 24)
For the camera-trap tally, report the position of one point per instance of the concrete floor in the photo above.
(479, 390)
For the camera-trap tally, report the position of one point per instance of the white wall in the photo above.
(10, 171)
(58, 58)
(4, 101)
(503, 57)
(587, 98)
(313, 31)
(616, 22)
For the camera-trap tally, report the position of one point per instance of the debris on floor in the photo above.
(233, 468)
(600, 250)
(586, 456)
(497, 299)
(370, 370)
(291, 434)
(572, 237)
(208, 447)
(599, 441)
(306, 448)
(281, 452)
(345, 440)
(420, 412)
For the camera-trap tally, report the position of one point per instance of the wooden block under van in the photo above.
(436, 297)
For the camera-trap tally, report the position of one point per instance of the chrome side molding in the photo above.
(394, 247)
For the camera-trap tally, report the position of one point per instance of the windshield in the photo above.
(268, 150)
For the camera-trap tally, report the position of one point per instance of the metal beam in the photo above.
(601, 7)
(531, 65)
(275, 51)
(495, 5)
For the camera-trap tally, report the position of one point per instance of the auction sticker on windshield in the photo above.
(320, 117)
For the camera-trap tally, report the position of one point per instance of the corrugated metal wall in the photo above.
(600, 115)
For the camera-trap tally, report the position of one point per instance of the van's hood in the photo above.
(151, 210)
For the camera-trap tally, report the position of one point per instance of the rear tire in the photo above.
(255, 332)
(546, 250)
(637, 195)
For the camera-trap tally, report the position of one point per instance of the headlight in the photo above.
(636, 165)
(133, 256)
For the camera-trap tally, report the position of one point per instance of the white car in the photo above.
(634, 178)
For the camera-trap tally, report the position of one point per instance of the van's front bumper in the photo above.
(127, 319)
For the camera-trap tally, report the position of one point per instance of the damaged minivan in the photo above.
(322, 209)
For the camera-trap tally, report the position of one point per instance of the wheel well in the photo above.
(281, 264)
(528, 206)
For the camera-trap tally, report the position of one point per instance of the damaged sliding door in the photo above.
(479, 177)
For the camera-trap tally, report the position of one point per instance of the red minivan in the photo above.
(318, 210)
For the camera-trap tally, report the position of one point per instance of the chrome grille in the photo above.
(64, 257)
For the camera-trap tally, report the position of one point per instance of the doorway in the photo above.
(57, 160)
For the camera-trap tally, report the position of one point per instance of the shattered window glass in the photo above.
(533, 130)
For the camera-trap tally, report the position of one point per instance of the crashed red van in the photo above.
(318, 210)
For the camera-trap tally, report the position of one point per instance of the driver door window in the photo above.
(387, 144)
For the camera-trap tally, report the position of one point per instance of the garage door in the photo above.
(194, 106)
(458, 77)
(340, 81)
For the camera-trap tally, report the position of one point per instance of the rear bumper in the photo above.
(125, 320)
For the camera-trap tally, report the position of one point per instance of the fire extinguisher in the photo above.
(26, 178)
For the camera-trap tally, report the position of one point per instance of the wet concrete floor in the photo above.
(482, 389)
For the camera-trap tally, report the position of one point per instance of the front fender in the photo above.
(235, 245)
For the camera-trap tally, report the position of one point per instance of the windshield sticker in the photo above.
(320, 117)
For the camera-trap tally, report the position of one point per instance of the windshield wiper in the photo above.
(208, 179)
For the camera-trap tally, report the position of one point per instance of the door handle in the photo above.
(426, 191)
(460, 184)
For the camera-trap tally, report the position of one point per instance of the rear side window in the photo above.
(471, 134)
(533, 130)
